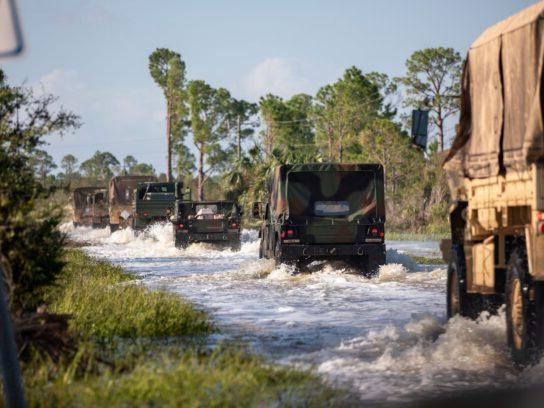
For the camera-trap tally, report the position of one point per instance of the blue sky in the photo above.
(93, 54)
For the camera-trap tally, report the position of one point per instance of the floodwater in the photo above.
(386, 338)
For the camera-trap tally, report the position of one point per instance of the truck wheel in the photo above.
(114, 227)
(459, 302)
(180, 243)
(524, 310)
(235, 246)
(278, 258)
(261, 252)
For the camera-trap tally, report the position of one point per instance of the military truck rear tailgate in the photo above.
(206, 226)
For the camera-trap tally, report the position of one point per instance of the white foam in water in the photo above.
(387, 336)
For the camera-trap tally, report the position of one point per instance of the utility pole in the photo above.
(239, 137)
(168, 143)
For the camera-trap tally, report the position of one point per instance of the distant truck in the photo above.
(121, 199)
(324, 211)
(216, 222)
(154, 202)
(89, 205)
(496, 177)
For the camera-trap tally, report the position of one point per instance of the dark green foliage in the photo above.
(30, 242)
(101, 166)
(433, 81)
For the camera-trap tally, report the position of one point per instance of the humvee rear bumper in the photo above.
(375, 253)
(208, 237)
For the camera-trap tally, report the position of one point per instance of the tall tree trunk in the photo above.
(239, 137)
(340, 151)
(201, 172)
(440, 125)
(168, 143)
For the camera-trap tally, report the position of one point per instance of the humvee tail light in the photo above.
(541, 227)
(290, 232)
(234, 225)
(181, 226)
(540, 216)
(374, 231)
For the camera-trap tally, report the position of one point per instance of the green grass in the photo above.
(104, 302)
(413, 236)
(224, 378)
(133, 350)
(424, 260)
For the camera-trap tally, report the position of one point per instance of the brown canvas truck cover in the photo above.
(326, 179)
(501, 126)
(81, 202)
(121, 194)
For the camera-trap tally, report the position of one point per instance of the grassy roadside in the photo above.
(414, 236)
(140, 348)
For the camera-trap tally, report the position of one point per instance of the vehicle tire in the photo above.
(114, 227)
(179, 242)
(261, 254)
(236, 246)
(524, 310)
(278, 257)
(459, 302)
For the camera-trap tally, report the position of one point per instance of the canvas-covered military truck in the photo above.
(324, 211)
(216, 222)
(154, 202)
(496, 176)
(99, 212)
(88, 204)
(121, 199)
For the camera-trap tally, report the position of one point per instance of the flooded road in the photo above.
(385, 337)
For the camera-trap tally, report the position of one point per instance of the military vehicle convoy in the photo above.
(496, 177)
(89, 204)
(121, 197)
(153, 202)
(324, 211)
(216, 222)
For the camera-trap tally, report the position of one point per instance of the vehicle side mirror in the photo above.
(420, 128)
(256, 210)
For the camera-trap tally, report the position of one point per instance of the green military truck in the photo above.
(121, 199)
(324, 211)
(89, 205)
(216, 222)
(153, 202)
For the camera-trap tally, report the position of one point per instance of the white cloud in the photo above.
(278, 76)
(117, 107)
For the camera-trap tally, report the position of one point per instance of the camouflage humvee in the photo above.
(324, 211)
(87, 203)
(154, 202)
(217, 222)
(121, 199)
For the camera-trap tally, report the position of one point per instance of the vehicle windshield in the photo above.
(156, 191)
(332, 194)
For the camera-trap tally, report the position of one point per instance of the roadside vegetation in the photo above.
(137, 347)
(88, 333)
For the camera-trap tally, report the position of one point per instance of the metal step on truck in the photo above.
(324, 211)
(495, 171)
(214, 222)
